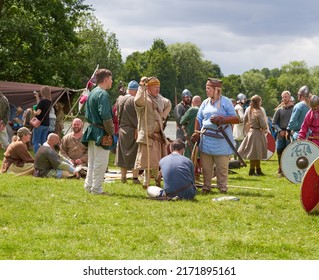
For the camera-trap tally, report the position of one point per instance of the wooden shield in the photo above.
(296, 159)
(271, 146)
(309, 193)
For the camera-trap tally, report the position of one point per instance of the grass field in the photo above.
(57, 220)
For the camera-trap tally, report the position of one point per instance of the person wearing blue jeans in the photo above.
(39, 136)
(42, 113)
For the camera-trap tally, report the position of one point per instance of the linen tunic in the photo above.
(297, 117)
(254, 145)
(17, 153)
(97, 110)
(179, 111)
(72, 148)
(178, 173)
(238, 129)
(156, 110)
(210, 145)
(188, 120)
(127, 146)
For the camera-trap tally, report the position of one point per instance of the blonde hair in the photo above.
(45, 92)
(286, 92)
(255, 102)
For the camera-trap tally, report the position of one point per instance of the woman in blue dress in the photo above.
(216, 113)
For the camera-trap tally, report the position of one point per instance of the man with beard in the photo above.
(48, 163)
(151, 109)
(179, 110)
(280, 122)
(71, 146)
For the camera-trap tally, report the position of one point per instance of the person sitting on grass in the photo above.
(48, 163)
(71, 146)
(178, 175)
(17, 158)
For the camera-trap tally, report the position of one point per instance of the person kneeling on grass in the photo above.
(48, 163)
(178, 175)
(17, 158)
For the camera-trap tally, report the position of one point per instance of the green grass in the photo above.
(56, 220)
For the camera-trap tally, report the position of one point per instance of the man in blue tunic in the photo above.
(178, 175)
(298, 113)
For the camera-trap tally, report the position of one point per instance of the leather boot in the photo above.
(251, 172)
(259, 172)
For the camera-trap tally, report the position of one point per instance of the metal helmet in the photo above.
(314, 101)
(186, 92)
(304, 91)
(241, 97)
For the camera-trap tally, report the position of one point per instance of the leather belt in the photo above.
(212, 134)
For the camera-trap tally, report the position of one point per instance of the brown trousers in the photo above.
(221, 162)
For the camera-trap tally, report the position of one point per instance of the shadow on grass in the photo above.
(246, 178)
(143, 197)
(5, 195)
(247, 193)
(240, 192)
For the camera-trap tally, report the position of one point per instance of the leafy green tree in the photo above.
(97, 47)
(135, 66)
(191, 71)
(314, 80)
(160, 64)
(38, 40)
(256, 83)
(232, 86)
(293, 76)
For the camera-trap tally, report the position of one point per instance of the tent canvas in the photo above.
(21, 94)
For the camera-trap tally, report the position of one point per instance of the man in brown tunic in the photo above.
(152, 109)
(71, 146)
(127, 146)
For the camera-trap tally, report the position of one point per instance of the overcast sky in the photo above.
(238, 35)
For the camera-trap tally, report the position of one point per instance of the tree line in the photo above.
(60, 42)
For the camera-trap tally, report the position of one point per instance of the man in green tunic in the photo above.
(98, 113)
(188, 123)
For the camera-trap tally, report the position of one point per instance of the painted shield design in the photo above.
(309, 193)
(296, 159)
(271, 146)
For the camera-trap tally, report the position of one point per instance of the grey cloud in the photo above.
(236, 34)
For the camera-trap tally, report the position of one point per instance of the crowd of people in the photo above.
(53, 156)
(208, 134)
